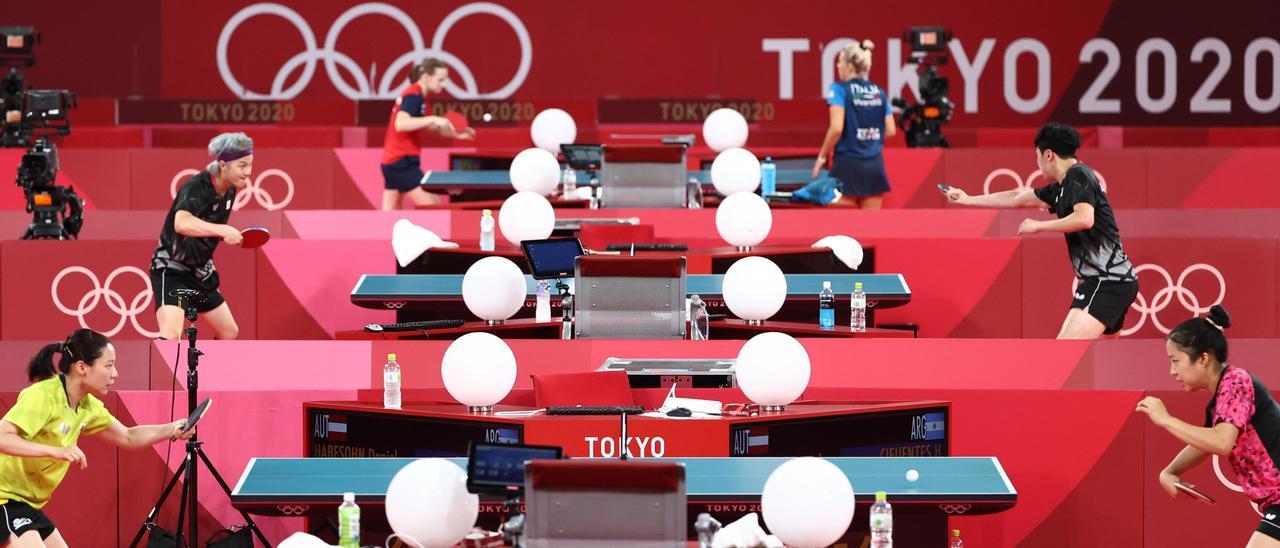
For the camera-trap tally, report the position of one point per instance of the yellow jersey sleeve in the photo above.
(99, 418)
(32, 411)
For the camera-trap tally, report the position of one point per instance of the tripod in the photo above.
(188, 503)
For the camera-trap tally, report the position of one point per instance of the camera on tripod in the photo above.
(39, 114)
(922, 122)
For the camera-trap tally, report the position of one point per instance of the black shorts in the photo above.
(1106, 300)
(404, 174)
(860, 176)
(1270, 524)
(19, 517)
(165, 280)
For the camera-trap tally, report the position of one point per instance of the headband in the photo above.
(234, 155)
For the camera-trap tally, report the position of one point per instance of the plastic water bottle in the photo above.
(699, 321)
(569, 180)
(955, 539)
(543, 312)
(768, 177)
(881, 522)
(391, 383)
(349, 522)
(826, 306)
(858, 309)
(486, 230)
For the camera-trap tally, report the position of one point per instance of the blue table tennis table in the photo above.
(953, 485)
(444, 181)
(398, 291)
(726, 488)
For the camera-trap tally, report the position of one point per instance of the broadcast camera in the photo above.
(922, 122)
(57, 212)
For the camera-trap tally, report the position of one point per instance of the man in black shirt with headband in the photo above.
(196, 222)
(1107, 283)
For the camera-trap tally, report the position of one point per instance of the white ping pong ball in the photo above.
(913, 475)
(487, 117)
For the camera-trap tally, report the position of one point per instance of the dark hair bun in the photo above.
(1219, 316)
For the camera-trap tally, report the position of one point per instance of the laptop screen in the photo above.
(553, 258)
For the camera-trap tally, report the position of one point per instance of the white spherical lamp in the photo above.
(428, 505)
(478, 370)
(551, 128)
(772, 370)
(493, 289)
(735, 170)
(754, 289)
(724, 128)
(526, 216)
(535, 170)
(807, 501)
(743, 220)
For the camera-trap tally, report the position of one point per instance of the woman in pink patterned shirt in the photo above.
(1242, 421)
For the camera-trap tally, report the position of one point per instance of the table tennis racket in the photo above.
(196, 416)
(254, 236)
(944, 187)
(459, 121)
(1195, 493)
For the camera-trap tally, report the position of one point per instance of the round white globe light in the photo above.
(535, 170)
(807, 502)
(772, 369)
(526, 216)
(754, 288)
(551, 128)
(493, 288)
(724, 129)
(735, 170)
(743, 219)
(478, 369)
(428, 504)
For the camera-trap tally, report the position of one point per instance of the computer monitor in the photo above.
(583, 157)
(498, 468)
(552, 258)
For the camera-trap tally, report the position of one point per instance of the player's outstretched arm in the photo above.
(144, 435)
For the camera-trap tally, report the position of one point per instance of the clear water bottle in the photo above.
(349, 522)
(955, 539)
(858, 309)
(699, 321)
(768, 177)
(486, 230)
(826, 306)
(391, 383)
(569, 181)
(881, 522)
(543, 311)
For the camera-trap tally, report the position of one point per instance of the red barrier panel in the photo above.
(303, 297)
(50, 288)
(1213, 178)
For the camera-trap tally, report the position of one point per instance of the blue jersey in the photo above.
(865, 108)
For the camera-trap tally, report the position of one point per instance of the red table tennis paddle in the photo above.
(254, 236)
(459, 121)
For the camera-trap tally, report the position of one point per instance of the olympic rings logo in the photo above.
(293, 509)
(103, 292)
(952, 509)
(393, 305)
(1025, 184)
(252, 191)
(364, 85)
